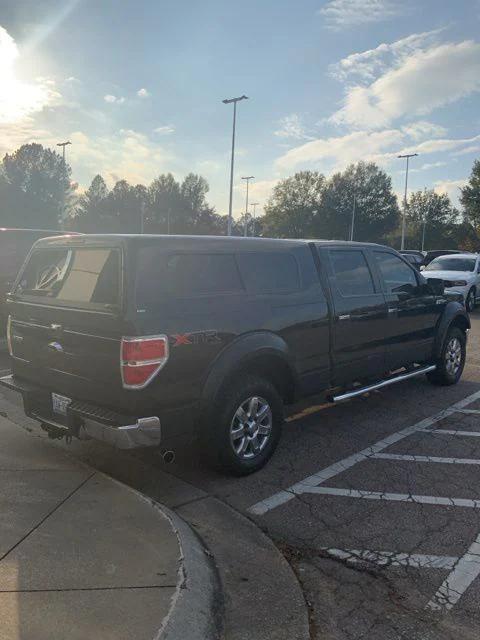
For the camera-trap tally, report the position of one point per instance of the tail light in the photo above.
(141, 359)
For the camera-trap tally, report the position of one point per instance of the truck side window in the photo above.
(269, 272)
(351, 272)
(396, 274)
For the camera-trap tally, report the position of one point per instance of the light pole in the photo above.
(254, 205)
(353, 216)
(229, 101)
(247, 178)
(425, 215)
(407, 156)
(63, 145)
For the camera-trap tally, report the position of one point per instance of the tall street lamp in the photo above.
(229, 101)
(247, 178)
(254, 205)
(407, 156)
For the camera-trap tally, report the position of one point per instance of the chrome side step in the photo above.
(384, 383)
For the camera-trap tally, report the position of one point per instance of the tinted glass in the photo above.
(451, 264)
(269, 272)
(352, 274)
(82, 276)
(396, 274)
(184, 274)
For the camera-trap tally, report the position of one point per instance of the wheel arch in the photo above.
(453, 316)
(260, 353)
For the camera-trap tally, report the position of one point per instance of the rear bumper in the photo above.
(87, 421)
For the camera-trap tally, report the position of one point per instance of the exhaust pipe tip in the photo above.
(168, 456)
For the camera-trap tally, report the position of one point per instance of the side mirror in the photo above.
(437, 286)
(422, 267)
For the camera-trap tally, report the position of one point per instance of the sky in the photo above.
(137, 87)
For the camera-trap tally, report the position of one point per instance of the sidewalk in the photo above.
(83, 556)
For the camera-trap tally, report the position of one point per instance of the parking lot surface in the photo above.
(376, 505)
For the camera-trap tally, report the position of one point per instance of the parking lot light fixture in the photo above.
(254, 205)
(229, 101)
(407, 156)
(247, 178)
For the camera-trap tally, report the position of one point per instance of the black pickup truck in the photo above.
(161, 340)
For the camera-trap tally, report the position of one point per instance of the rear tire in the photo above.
(451, 362)
(244, 427)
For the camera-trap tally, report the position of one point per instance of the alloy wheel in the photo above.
(251, 427)
(453, 356)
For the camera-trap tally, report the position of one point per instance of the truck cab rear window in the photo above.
(81, 276)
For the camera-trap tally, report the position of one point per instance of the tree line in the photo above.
(36, 191)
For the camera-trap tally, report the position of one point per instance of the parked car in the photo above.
(158, 340)
(461, 273)
(415, 258)
(14, 247)
(435, 253)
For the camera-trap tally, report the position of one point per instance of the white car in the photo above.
(462, 270)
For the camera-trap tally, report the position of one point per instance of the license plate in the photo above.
(60, 404)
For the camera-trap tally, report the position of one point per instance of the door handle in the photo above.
(344, 317)
(393, 310)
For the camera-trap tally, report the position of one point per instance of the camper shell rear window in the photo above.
(86, 277)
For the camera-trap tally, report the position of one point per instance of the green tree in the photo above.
(470, 197)
(434, 213)
(367, 187)
(90, 214)
(294, 205)
(35, 187)
(164, 203)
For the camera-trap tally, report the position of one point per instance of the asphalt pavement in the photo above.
(370, 511)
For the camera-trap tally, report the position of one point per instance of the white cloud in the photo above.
(340, 151)
(367, 65)
(165, 129)
(20, 100)
(340, 14)
(291, 127)
(72, 80)
(432, 165)
(113, 99)
(335, 153)
(143, 93)
(423, 129)
(128, 154)
(423, 81)
(451, 188)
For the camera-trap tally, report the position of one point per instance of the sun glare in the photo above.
(17, 99)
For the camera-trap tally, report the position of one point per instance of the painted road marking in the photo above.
(285, 495)
(455, 432)
(391, 559)
(457, 582)
(393, 497)
(411, 458)
(475, 412)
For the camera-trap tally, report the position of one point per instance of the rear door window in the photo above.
(351, 272)
(269, 272)
(80, 276)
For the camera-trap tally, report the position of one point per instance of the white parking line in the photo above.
(393, 497)
(285, 495)
(457, 582)
(391, 559)
(455, 432)
(475, 412)
(410, 458)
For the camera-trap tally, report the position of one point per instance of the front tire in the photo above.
(451, 362)
(244, 426)
(470, 301)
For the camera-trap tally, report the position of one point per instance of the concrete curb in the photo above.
(197, 606)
